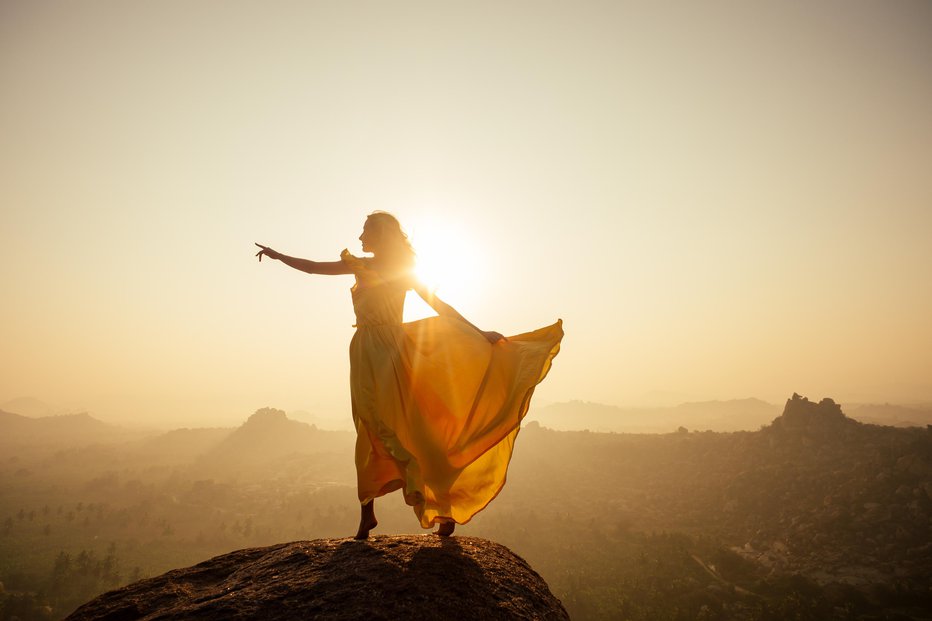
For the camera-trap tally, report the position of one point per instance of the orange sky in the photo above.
(720, 200)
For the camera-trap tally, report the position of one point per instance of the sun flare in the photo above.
(450, 261)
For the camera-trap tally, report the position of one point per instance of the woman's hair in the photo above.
(395, 245)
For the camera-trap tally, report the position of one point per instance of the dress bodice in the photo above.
(378, 305)
(377, 301)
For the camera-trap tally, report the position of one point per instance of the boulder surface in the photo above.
(385, 577)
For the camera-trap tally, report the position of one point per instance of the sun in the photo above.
(450, 261)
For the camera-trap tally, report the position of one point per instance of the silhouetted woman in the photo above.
(437, 403)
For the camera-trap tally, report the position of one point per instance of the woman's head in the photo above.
(382, 236)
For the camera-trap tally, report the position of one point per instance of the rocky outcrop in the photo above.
(386, 577)
(802, 414)
(825, 496)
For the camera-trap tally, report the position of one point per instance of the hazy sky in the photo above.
(720, 199)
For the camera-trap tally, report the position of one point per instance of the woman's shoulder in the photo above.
(376, 272)
(355, 263)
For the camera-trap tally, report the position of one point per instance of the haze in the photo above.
(721, 200)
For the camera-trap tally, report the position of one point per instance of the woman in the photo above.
(437, 403)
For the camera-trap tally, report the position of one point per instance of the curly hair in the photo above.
(395, 242)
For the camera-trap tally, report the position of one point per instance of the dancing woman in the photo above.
(437, 403)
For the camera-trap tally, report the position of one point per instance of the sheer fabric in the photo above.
(436, 406)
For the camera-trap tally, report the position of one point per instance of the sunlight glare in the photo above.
(450, 261)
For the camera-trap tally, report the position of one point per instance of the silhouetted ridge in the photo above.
(801, 414)
(733, 415)
(72, 429)
(268, 418)
(403, 577)
(269, 435)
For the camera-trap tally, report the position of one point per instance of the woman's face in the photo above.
(369, 237)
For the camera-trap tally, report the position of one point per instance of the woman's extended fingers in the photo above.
(264, 251)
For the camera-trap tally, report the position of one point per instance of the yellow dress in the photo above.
(436, 406)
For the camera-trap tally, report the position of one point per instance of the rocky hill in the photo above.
(400, 577)
(269, 436)
(814, 493)
(836, 499)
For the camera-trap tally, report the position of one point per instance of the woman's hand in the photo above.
(267, 252)
(493, 337)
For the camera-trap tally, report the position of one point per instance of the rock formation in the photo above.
(386, 577)
(802, 414)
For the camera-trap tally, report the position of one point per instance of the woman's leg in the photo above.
(446, 528)
(367, 520)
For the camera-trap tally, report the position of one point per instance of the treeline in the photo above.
(71, 581)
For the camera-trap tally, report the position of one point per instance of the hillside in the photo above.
(811, 513)
(815, 493)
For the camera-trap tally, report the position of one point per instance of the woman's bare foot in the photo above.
(446, 528)
(367, 520)
(364, 528)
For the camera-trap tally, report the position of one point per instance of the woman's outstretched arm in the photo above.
(328, 268)
(445, 310)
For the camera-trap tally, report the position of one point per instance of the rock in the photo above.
(915, 465)
(802, 414)
(927, 488)
(385, 577)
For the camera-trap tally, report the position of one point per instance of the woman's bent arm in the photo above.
(327, 268)
(445, 310)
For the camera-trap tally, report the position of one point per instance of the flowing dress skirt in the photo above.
(437, 409)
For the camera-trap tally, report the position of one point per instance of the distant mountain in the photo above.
(734, 415)
(334, 423)
(70, 429)
(893, 415)
(269, 435)
(32, 408)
